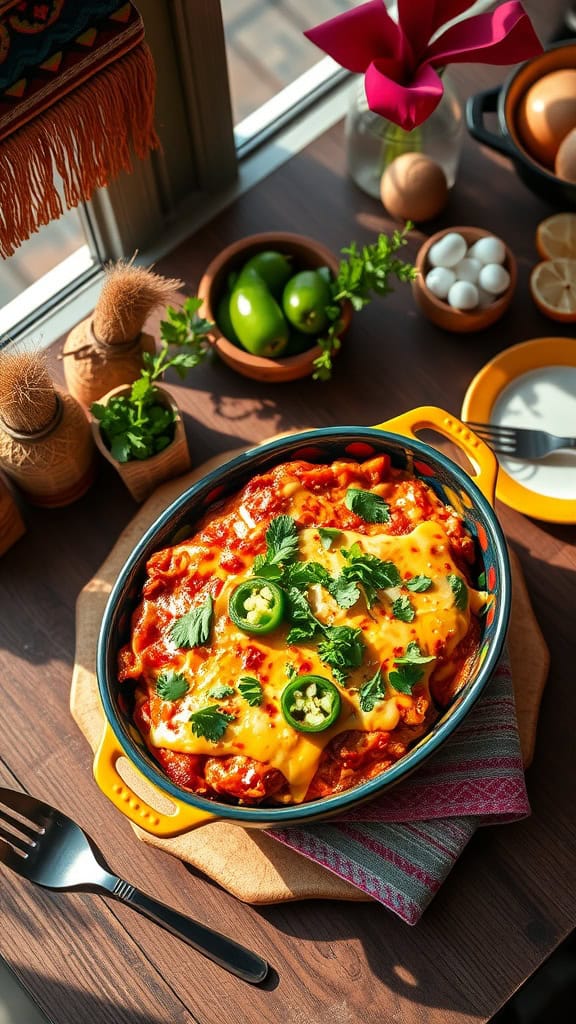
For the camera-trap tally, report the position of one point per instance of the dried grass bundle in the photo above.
(105, 350)
(28, 400)
(129, 295)
(46, 445)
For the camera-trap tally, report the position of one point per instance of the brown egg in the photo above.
(547, 113)
(413, 187)
(565, 163)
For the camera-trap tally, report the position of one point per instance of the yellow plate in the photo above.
(532, 385)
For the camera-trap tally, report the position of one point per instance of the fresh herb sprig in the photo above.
(137, 425)
(364, 272)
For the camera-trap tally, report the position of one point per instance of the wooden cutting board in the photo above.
(246, 862)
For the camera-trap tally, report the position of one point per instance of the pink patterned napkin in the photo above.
(400, 847)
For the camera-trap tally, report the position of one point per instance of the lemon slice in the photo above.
(556, 237)
(553, 288)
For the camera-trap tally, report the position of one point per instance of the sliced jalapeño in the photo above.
(311, 703)
(256, 606)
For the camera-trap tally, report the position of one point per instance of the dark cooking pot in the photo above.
(505, 101)
(470, 495)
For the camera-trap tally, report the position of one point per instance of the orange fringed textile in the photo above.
(85, 139)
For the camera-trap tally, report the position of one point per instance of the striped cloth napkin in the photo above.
(400, 848)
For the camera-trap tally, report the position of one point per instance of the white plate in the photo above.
(532, 385)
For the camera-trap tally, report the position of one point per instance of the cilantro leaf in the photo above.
(171, 685)
(304, 574)
(281, 540)
(327, 536)
(406, 677)
(264, 570)
(193, 629)
(342, 648)
(344, 591)
(414, 656)
(251, 690)
(305, 622)
(221, 691)
(403, 609)
(210, 722)
(418, 584)
(372, 691)
(460, 591)
(368, 506)
(368, 570)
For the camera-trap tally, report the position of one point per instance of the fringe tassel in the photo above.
(85, 139)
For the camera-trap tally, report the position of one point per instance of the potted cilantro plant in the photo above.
(138, 427)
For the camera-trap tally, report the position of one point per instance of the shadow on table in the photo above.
(18, 1007)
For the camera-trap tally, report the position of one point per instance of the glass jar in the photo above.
(372, 142)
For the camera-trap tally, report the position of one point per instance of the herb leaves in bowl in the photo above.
(137, 423)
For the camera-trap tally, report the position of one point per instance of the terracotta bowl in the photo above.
(439, 311)
(506, 101)
(306, 254)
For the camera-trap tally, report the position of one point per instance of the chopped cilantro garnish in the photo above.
(368, 570)
(251, 690)
(171, 685)
(368, 506)
(372, 691)
(418, 584)
(405, 677)
(193, 629)
(305, 622)
(460, 591)
(414, 656)
(403, 609)
(342, 648)
(304, 574)
(409, 671)
(210, 722)
(281, 540)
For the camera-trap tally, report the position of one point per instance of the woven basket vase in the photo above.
(11, 523)
(92, 367)
(55, 466)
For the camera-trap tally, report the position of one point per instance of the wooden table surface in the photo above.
(511, 898)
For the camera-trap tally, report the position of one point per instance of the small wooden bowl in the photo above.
(439, 311)
(306, 254)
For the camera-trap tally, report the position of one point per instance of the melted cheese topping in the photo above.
(438, 626)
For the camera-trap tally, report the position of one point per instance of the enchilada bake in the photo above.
(308, 634)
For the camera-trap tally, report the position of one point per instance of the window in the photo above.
(197, 171)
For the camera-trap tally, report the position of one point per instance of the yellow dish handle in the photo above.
(134, 807)
(429, 417)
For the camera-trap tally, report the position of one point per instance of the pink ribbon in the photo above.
(399, 61)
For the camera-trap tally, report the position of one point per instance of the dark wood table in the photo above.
(511, 898)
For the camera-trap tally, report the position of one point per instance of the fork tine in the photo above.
(492, 429)
(17, 842)
(34, 811)
(9, 856)
(21, 826)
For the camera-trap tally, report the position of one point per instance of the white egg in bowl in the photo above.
(466, 278)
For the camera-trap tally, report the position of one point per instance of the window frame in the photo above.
(199, 169)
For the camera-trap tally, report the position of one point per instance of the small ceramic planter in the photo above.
(142, 477)
(306, 254)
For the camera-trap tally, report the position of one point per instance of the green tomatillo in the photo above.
(272, 267)
(258, 320)
(305, 300)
